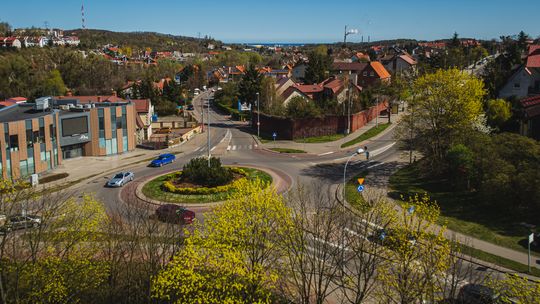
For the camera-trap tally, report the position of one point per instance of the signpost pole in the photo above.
(530, 240)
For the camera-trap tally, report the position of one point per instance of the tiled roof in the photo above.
(349, 66)
(333, 84)
(530, 101)
(309, 88)
(380, 70)
(533, 60)
(17, 99)
(6, 103)
(141, 105)
(93, 99)
(407, 58)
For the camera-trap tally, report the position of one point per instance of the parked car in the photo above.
(19, 221)
(175, 214)
(190, 107)
(163, 159)
(478, 294)
(121, 179)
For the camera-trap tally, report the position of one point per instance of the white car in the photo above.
(121, 179)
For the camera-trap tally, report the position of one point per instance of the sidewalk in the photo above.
(334, 146)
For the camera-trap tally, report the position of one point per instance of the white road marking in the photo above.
(197, 150)
(376, 165)
(233, 148)
(327, 153)
(213, 148)
(228, 148)
(381, 150)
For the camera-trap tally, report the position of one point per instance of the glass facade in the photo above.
(101, 124)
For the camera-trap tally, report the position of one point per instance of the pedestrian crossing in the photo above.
(241, 147)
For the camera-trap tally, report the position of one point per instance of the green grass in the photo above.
(352, 195)
(287, 150)
(153, 190)
(319, 139)
(462, 211)
(497, 260)
(367, 135)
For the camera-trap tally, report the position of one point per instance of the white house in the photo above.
(526, 80)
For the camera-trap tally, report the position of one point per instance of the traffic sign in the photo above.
(274, 135)
(360, 188)
(361, 181)
(411, 210)
(531, 238)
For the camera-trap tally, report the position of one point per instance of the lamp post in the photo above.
(347, 33)
(258, 117)
(357, 152)
(208, 131)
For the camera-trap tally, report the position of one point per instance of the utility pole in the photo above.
(349, 107)
(377, 113)
(258, 117)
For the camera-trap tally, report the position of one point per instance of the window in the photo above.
(365, 73)
(517, 85)
(30, 163)
(29, 139)
(14, 142)
(125, 143)
(35, 137)
(371, 74)
(23, 166)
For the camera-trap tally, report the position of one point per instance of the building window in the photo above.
(23, 166)
(125, 143)
(371, 74)
(517, 85)
(365, 73)
(14, 142)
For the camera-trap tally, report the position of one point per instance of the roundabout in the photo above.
(166, 188)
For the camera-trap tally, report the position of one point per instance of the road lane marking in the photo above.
(327, 153)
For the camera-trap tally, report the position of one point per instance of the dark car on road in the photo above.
(175, 214)
(19, 221)
(478, 294)
(190, 107)
(163, 159)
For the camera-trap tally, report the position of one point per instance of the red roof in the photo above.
(333, 84)
(349, 66)
(309, 88)
(142, 105)
(93, 99)
(380, 70)
(533, 60)
(530, 101)
(6, 103)
(17, 99)
(407, 58)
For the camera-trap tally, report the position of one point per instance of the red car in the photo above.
(175, 214)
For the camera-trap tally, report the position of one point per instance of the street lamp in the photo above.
(347, 33)
(258, 117)
(357, 152)
(208, 130)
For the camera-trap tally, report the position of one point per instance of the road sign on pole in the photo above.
(361, 181)
(360, 188)
(274, 135)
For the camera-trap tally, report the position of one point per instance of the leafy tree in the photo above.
(299, 107)
(446, 105)
(498, 112)
(516, 289)
(5, 29)
(455, 42)
(460, 164)
(268, 95)
(228, 95)
(478, 53)
(232, 258)
(250, 85)
(522, 41)
(53, 85)
(319, 65)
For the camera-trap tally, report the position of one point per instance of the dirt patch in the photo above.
(52, 178)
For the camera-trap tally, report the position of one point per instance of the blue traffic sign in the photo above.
(360, 188)
(411, 210)
(274, 135)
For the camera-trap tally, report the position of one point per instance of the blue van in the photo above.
(163, 159)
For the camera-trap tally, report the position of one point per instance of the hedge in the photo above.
(170, 187)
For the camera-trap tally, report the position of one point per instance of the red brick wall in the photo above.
(288, 129)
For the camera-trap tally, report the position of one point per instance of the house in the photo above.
(34, 41)
(145, 112)
(6, 103)
(17, 99)
(283, 84)
(290, 93)
(526, 79)
(312, 91)
(334, 88)
(299, 70)
(530, 117)
(360, 57)
(399, 63)
(353, 69)
(235, 73)
(373, 73)
(71, 40)
(13, 42)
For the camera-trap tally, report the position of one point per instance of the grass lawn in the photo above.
(319, 139)
(367, 135)
(153, 190)
(287, 150)
(352, 195)
(463, 211)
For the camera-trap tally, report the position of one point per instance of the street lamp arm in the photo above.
(359, 151)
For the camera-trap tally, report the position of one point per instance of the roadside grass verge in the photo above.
(319, 139)
(367, 135)
(462, 211)
(497, 260)
(355, 198)
(287, 150)
(153, 190)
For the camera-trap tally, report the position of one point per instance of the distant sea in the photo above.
(277, 44)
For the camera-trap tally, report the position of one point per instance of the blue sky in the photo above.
(286, 21)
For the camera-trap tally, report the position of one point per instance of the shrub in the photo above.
(197, 171)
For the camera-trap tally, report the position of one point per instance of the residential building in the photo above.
(299, 71)
(526, 79)
(13, 42)
(145, 114)
(372, 74)
(530, 117)
(353, 69)
(399, 63)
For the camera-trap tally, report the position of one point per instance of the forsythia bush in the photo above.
(170, 187)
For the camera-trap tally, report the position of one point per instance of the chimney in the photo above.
(69, 93)
(99, 99)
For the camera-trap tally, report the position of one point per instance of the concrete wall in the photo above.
(288, 129)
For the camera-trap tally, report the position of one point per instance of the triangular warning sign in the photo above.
(361, 181)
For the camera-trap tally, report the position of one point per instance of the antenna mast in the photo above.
(83, 19)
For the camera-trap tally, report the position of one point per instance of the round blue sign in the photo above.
(360, 188)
